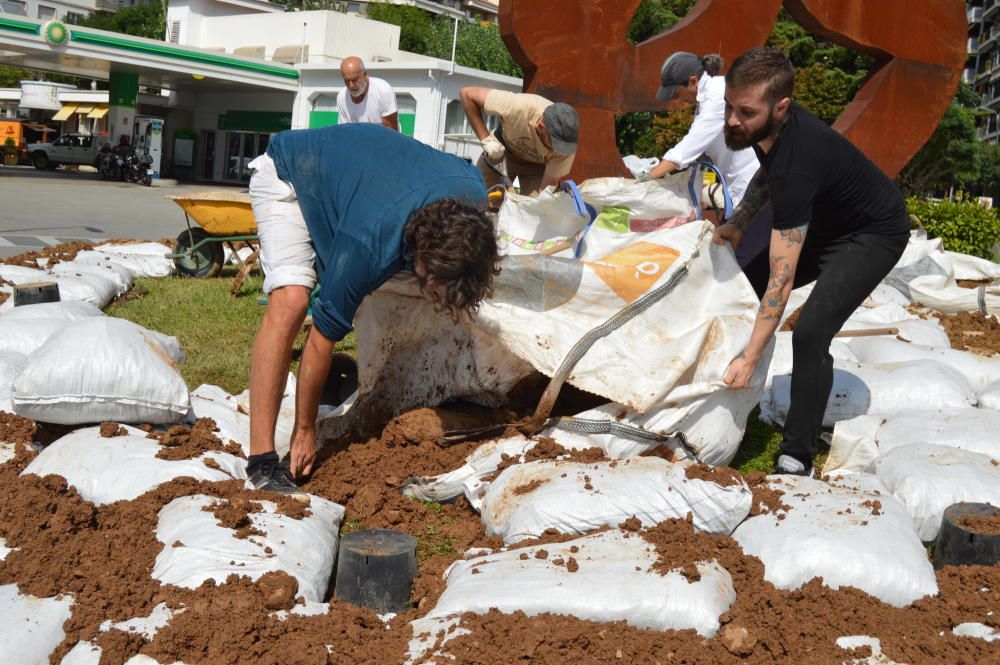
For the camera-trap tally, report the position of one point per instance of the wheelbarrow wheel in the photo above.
(206, 261)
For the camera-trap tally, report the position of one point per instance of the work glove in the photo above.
(493, 149)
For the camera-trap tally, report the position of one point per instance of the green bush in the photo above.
(964, 226)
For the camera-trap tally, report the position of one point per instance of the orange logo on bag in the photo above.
(632, 271)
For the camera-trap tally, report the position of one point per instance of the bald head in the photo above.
(355, 77)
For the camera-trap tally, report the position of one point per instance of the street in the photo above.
(44, 208)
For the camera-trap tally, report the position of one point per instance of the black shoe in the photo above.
(789, 466)
(276, 477)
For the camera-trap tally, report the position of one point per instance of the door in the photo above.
(62, 149)
(208, 155)
(241, 149)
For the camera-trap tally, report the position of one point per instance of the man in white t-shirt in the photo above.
(365, 98)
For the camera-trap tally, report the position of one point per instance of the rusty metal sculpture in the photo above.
(578, 53)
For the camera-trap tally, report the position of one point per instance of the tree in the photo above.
(952, 156)
(479, 46)
(416, 26)
(657, 16)
(146, 20)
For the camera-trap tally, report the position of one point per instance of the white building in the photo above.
(62, 10)
(235, 72)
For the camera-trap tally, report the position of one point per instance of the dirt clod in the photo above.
(972, 331)
(182, 443)
(722, 476)
(109, 430)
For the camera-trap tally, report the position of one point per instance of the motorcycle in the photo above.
(139, 169)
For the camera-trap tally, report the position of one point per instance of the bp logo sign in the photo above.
(55, 33)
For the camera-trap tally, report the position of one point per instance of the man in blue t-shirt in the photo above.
(838, 221)
(348, 207)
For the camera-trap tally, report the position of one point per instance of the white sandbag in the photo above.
(577, 498)
(32, 627)
(304, 548)
(977, 630)
(208, 401)
(979, 370)
(69, 310)
(94, 272)
(928, 478)
(11, 364)
(25, 335)
(615, 582)
(860, 389)
(926, 332)
(989, 397)
(883, 293)
(144, 259)
(781, 359)
(858, 442)
(850, 532)
(109, 469)
(101, 369)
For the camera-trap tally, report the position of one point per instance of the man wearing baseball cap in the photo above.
(535, 143)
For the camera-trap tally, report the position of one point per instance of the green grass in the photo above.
(215, 328)
(759, 446)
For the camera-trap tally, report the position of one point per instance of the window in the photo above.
(19, 7)
(63, 140)
(86, 141)
(175, 32)
(46, 13)
(354, 7)
(455, 122)
(406, 104)
(73, 17)
(325, 103)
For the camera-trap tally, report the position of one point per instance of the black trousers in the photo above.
(846, 270)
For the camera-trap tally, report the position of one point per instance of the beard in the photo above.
(738, 139)
(360, 93)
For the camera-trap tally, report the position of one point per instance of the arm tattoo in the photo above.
(772, 305)
(794, 236)
(755, 197)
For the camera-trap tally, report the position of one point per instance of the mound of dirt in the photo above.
(48, 256)
(181, 443)
(972, 331)
(16, 429)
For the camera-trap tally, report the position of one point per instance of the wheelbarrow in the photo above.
(221, 219)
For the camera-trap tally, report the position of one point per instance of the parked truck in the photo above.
(67, 149)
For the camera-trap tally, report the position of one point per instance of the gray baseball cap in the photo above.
(564, 127)
(676, 71)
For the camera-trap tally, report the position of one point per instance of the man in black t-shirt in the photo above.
(838, 221)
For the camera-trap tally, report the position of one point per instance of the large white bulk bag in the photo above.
(197, 548)
(208, 401)
(860, 389)
(102, 369)
(11, 364)
(928, 478)
(858, 442)
(577, 498)
(121, 468)
(850, 532)
(99, 275)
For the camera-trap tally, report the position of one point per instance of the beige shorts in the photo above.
(286, 251)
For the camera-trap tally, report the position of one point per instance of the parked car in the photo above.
(67, 149)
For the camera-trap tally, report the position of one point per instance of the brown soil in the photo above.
(109, 430)
(67, 545)
(972, 283)
(765, 498)
(984, 524)
(235, 515)
(3, 297)
(528, 488)
(15, 429)
(181, 442)
(66, 251)
(972, 331)
(548, 449)
(722, 476)
(763, 626)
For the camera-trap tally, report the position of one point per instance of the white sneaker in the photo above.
(789, 466)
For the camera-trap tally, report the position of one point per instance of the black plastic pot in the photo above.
(375, 569)
(36, 292)
(959, 546)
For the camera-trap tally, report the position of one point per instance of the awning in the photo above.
(65, 112)
(84, 109)
(98, 112)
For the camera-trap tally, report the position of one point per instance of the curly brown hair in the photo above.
(456, 244)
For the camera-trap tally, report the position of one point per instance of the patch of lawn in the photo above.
(215, 328)
(759, 446)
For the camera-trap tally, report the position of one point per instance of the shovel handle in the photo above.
(870, 332)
